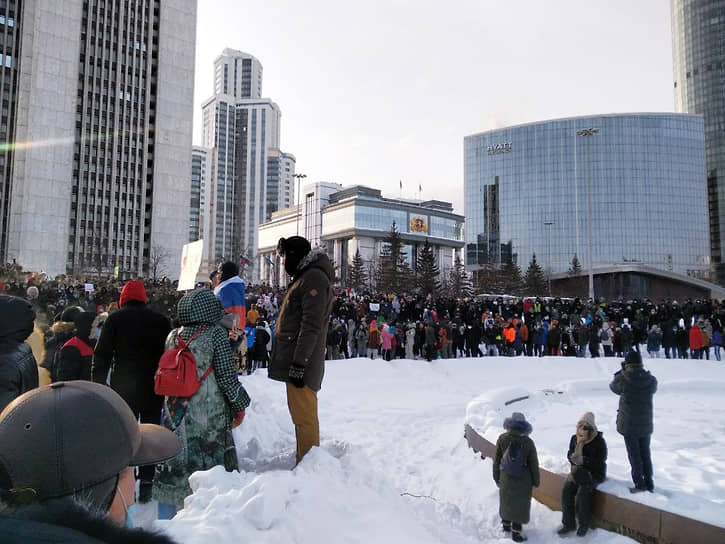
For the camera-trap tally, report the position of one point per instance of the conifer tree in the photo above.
(511, 276)
(394, 271)
(357, 275)
(576, 268)
(428, 274)
(459, 284)
(535, 279)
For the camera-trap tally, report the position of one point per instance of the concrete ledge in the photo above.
(643, 523)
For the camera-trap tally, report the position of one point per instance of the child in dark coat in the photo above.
(516, 473)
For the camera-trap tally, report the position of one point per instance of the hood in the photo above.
(63, 327)
(316, 258)
(200, 306)
(17, 318)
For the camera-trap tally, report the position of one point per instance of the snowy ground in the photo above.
(393, 466)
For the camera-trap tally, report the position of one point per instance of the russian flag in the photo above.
(231, 294)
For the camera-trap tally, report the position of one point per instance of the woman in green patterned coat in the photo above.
(204, 421)
(516, 473)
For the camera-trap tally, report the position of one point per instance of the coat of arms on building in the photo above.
(418, 224)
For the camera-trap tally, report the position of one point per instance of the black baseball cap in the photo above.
(76, 436)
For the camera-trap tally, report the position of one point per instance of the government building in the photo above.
(345, 220)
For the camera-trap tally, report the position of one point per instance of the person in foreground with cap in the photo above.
(130, 344)
(85, 492)
(18, 369)
(588, 457)
(636, 387)
(516, 473)
(298, 350)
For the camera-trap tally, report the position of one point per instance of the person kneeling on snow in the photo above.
(588, 457)
(516, 473)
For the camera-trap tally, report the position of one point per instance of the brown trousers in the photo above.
(302, 403)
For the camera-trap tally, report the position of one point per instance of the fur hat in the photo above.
(517, 422)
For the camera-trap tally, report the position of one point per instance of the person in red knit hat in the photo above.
(133, 290)
(130, 346)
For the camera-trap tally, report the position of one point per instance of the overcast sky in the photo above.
(373, 91)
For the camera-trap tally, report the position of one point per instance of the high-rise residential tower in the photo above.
(698, 51)
(241, 127)
(95, 166)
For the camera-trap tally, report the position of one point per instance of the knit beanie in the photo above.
(133, 290)
(588, 418)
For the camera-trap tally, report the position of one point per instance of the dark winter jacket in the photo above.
(595, 456)
(74, 361)
(553, 338)
(635, 387)
(66, 522)
(515, 493)
(259, 348)
(59, 334)
(18, 369)
(131, 343)
(301, 331)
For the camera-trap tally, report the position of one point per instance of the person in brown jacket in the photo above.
(298, 349)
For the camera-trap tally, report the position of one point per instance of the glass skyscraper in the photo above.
(698, 51)
(534, 188)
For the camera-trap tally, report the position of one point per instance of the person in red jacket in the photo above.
(697, 341)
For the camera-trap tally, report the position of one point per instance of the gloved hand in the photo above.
(238, 418)
(296, 375)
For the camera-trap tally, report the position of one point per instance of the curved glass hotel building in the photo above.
(637, 180)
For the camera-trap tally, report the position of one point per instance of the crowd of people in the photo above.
(104, 390)
(55, 332)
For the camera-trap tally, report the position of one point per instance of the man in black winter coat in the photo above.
(588, 457)
(131, 343)
(636, 387)
(18, 369)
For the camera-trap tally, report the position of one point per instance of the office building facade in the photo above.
(241, 127)
(698, 58)
(637, 180)
(280, 178)
(100, 168)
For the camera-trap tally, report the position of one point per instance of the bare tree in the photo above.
(158, 259)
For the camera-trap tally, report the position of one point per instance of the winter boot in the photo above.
(144, 491)
(506, 524)
(565, 530)
(516, 534)
(582, 530)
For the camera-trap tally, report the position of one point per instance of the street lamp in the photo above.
(548, 230)
(586, 132)
(299, 199)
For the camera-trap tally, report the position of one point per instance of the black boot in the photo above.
(506, 524)
(565, 530)
(582, 530)
(144, 491)
(518, 537)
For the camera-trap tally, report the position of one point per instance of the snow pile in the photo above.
(393, 466)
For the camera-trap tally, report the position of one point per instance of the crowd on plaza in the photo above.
(54, 332)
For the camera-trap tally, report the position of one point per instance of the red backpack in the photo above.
(176, 374)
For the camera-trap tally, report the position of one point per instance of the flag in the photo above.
(401, 183)
(420, 189)
(244, 260)
(269, 261)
